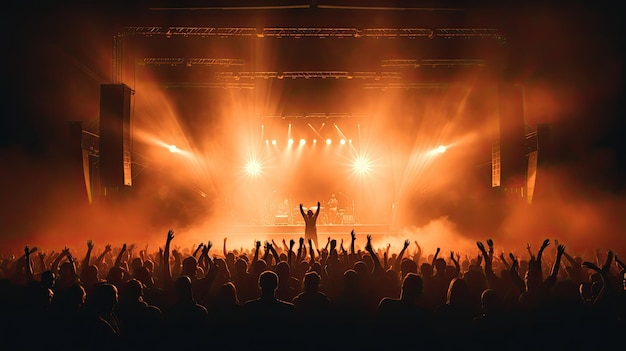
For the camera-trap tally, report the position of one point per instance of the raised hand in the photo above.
(301, 241)
(170, 235)
(481, 246)
(257, 244)
(89, 244)
(108, 248)
(545, 243)
(406, 243)
(490, 243)
(353, 235)
(291, 244)
(209, 245)
(333, 244)
(560, 249)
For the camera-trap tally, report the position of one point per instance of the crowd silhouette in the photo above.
(295, 295)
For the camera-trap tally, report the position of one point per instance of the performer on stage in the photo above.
(310, 224)
(332, 209)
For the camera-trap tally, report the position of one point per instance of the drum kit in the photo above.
(323, 217)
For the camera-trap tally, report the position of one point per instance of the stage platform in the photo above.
(291, 231)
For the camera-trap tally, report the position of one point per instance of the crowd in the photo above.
(297, 296)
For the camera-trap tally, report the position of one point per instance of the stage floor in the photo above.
(295, 231)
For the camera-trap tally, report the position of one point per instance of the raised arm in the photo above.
(224, 247)
(166, 269)
(290, 253)
(504, 262)
(317, 211)
(515, 278)
(87, 258)
(378, 268)
(302, 212)
(457, 266)
(543, 247)
(311, 251)
(418, 254)
(118, 260)
(55, 264)
(557, 264)
(435, 257)
(27, 264)
(398, 261)
(100, 258)
(301, 248)
(255, 258)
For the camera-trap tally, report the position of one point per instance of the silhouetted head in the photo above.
(183, 288)
(426, 270)
(47, 279)
(361, 268)
(350, 280)
(190, 265)
(228, 294)
(458, 292)
(408, 266)
(136, 263)
(260, 266)
(143, 275)
(412, 286)
(241, 266)
(103, 298)
(132, 291)
(309, 213)
(268, 281)
(440, 265)
(282, 269)
(311, 281)
(115, 276)
(490, 302)
(90, 275)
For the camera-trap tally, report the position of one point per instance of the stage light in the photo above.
(361, 165)
(267, 141)
(329, 141)
(302, 141)
(273, 141)
(342, 141)
(441, 149)
(290, 141)
(172, 148)
(253, 168)
(314, 141)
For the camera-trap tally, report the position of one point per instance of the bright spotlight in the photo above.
(302, 141)
(361, 165)
(290, 141)
(329, 141)
(172, 148)
(273, 141)
(253, 168)
(441, 149)
(342, 141)
(314, 141)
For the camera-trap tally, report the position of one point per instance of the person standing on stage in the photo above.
(333, 203)
(310, 224)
